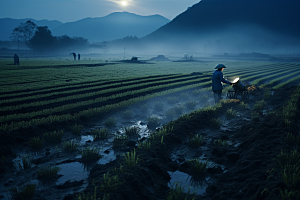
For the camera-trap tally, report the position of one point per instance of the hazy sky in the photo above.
(72, 10)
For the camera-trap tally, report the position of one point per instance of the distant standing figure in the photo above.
(78, 56)
(217, 82)
(16, 59)
(74, 55)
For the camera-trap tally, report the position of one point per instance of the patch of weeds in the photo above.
(198, 167)
(215, 123)
(178, 109)
(144, 145)
(292, 139)
(53, 137)
(26, 193)
(120, 141)
(267, 93)
(177, 193)
(109, 182)
(76, 129)
(196, 140)
(131, 159)
(191, 105)
(170, 114)
(69, 146)
(196, 92)
(221, 143)
(48, 172)
(127, 114)
(260, 105)
(101, 134)
(292, 158)
(110, 122)
(89, 196)
(254, 114)
(25, 163)
(90, 154)
(172, 100)
(184, 117)
(230, 113)
(132, 131)
(153, 122)
(158, 106)
(36, 143)
(159, 135)
(242, 105)
(288, 195)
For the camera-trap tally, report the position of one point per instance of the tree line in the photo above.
(40, 39)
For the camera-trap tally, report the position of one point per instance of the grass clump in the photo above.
(153, 122)
(159, 135)
(230, 113)
(132, 131)
(146, 145)
(53, 137)
(158, 106)
(36, 143)
(170, 114)
(144, 107)
(110, 122)
(127, 114)
(254, 114)
(26, 193)
(221, 143)
(260, 105)
(215, 123)
(191, 105)
(90, 154)
(25, 163)
(100, 134)
(177, 193)
(184, 95)
(198, 167)
(109, 182)
(69, 146)
(76, 129)
(242, 105)
(292, 139)
(48, 172)
(93, 196)
(131, 159)
(120, 141)
(196, 140)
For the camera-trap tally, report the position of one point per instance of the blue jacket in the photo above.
(218, 80)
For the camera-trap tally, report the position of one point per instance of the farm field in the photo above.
(71, 129)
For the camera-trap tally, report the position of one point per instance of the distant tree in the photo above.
(43, 40)
(23, 32)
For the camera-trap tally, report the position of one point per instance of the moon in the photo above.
(124, 3)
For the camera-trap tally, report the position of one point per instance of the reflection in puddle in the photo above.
(144, 131)
(74, 171)
(188, 182)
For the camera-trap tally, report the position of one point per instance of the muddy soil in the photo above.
(238, 170)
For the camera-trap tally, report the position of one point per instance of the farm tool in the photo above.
(238, 89)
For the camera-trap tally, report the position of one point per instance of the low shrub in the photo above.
(215, 123)
(131, 159)
(198, 167)
(120, 141)
(132, 131)
(196, 140)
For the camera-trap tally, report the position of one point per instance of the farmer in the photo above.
(16, 59)
(78, 56)
(217, 82)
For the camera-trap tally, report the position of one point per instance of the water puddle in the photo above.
(86, 138)
(108, 156)
(74, 171)
(198, 186)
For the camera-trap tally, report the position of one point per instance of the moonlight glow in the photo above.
(124, 3)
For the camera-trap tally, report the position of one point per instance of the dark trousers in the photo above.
(217, 95)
